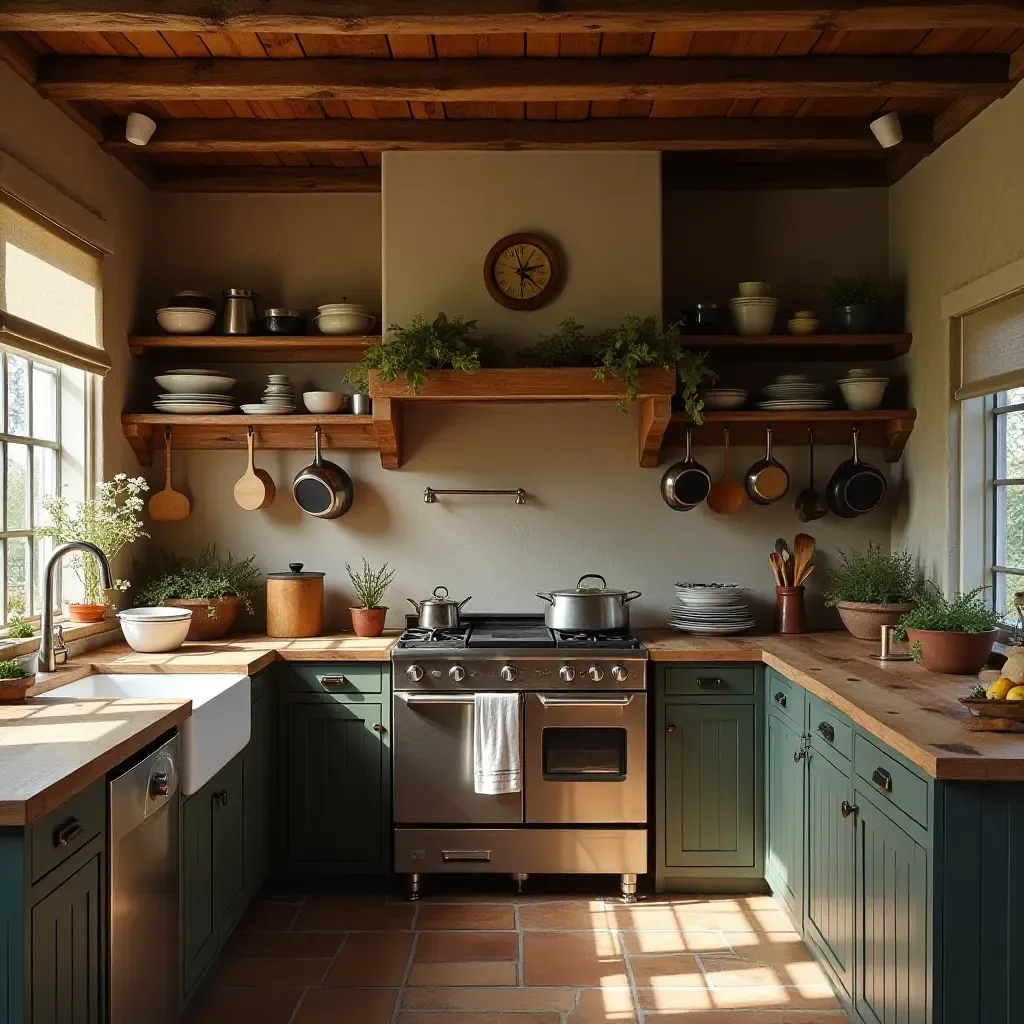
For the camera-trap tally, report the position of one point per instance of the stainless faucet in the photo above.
(47, 649)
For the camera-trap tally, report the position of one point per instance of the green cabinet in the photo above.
(256, 791)
(784, 811)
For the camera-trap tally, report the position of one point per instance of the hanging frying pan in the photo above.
(855, 487)
(686, 484)
(767, 479)
(323, 489)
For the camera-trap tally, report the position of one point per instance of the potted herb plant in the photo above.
(871, 589)
(856, 303)
(13, 680)
(215, 588)
(952, 635)
(111, 521)
(370, 586)
(18, 627)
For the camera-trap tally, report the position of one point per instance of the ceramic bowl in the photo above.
(155, 630)
(862, 393)
(725, 398)
(803, 325)
(343, 321)
(195, 384)
(323, 401)
(753, 289)
(190, 300)
(755, 316)
(184, 320)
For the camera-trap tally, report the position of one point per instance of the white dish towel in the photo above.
(496, 761)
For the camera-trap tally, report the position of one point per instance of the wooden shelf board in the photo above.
(836, 347)
(888, 429)
(277, 348)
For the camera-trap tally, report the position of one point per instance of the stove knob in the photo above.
(619, 673)
(414, 672)
(567, 673)
(456, 673)
(596, 673)
(508, 673)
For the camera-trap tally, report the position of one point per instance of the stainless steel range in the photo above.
(582, 708)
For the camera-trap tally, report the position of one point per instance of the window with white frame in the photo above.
(1007, 497)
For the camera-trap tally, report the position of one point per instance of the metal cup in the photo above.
(361, 405)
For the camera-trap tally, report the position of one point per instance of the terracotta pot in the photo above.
(14, 689)
(790, 613)
(953, 653)
(86, 612)
(865, 620)
(207, 626)
(368, 621)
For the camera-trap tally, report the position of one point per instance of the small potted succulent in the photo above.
(871, 589)
(370, 586)
(953, 635)
(214, 588)
(111, 521)
(856, 303)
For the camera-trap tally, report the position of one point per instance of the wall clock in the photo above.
(523, 271)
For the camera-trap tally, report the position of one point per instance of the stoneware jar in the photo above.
(295, 602)
(790, 614)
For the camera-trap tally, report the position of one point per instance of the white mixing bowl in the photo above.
(155, 630)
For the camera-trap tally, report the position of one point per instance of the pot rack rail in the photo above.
(430, 494)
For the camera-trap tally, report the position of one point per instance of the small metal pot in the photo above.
(588, 609)
(438, 612)
(323, 489)
(361, 405)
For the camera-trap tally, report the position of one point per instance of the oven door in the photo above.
(432, 750)
(586, 758)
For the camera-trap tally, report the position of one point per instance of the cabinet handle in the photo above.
(377, 727)
(67, 834)
(221, 796)
(800, 755)
(882, 779)
(711, 683)
(827, 731)
(780, 699)
(334, 681)
(670, 728)
(849, 809)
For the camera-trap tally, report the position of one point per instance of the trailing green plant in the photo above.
(205, 577)
(962, 613)
(858, 290)
(370, 584)
(444, 343)
(18, 627)
(11, 670)
(568, 345)
(871, 576)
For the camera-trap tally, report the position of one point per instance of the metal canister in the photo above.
(295, 602)
(239, 316)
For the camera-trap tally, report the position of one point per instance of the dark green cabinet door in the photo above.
(228, 848)
(892, 921)
(830, 868)
(256, 788)
(710, 773)
(198, 916)
(334, 785)
(67, 973)
(784, 815)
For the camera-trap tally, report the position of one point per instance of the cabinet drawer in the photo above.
(886, 776)
(345, 677)
(68, 828)
(830, 729)
(785, 698)
(709, 680)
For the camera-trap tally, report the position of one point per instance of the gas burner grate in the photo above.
(568, 638)
(420, 636)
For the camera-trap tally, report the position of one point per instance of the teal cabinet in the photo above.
(784, 812)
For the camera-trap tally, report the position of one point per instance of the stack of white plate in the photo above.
(710, 608)
(194, 392)
(792, 391)
(724, 398)
(278, 399)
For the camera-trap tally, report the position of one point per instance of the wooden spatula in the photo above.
(803, 552)
(255, 488)
(168, 505)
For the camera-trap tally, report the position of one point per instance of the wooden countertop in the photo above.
(911, 709)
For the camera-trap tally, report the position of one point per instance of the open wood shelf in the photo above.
(274, 348)
(888, 429)
(808, 347)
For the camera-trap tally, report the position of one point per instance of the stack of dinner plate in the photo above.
(194, 392)
(793, 391)
(278, 398)
(710, 608)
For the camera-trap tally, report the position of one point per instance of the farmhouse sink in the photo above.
(216, 732)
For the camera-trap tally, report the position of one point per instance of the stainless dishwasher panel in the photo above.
(432, 748)
(144, 943)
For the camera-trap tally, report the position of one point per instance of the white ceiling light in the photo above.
(887, 130)
(139, 128)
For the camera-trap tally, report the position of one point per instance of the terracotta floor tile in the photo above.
(263, 972)
(432, 947)
(489, 999)
(371, 958)
(283, 944)
(269, 916)
(219, 1003)
(751, 969)
(681, 971)
(675, 942)
(337, 1006)
(479, 1018)
(772, 997)
(680, 1000)
(755, 1017)
(486, 918)
(586, 959)
(604, 1006)
(471, 973)
(574, 915)
(343, 914)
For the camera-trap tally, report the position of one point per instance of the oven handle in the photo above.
(618, 702)
(438, 698)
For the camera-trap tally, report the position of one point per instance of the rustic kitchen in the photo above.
(512, 513)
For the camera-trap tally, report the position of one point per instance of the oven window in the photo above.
(584, 755)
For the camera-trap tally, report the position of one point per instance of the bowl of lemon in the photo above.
(999, 707)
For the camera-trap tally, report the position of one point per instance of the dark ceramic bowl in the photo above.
(284, 321)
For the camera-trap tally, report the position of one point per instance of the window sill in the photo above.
(18, 648)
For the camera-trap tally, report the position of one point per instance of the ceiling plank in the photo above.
(486, 16)
(682, 134)
(19, 55)
(268, 179)
(115, 79)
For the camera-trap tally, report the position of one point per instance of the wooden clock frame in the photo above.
(550, 250)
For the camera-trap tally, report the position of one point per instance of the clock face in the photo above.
(523, 271)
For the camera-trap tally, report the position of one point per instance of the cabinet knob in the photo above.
(221, 797)
(159, 785)
(848, 809)
(827, 731)
(670, 728)
(800, 755)
(377, 727)
(780, 699)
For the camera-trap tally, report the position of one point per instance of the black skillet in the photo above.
(855, 487)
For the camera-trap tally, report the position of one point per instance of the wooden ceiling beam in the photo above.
(483, 16)
(267, 179)
(805, 172)
(119, 80)
(239, 135)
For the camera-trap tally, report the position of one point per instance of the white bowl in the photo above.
(323, 401)
(344, 322)
(180, 320)
(191, 384)
(155, 630)
(753, 289)
(724, 398)
(753, 317)
(860, 372)
(863, 393)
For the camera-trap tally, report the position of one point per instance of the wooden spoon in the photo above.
(726, 497)
(168, 505)
(803, 552)
(255, 487)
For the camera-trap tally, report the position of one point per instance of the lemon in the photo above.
(1015, 693)
(1000, 688)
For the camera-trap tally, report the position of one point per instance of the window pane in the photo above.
(17, 568)
(44, 402)
(1010, 446)
(44, 481)
(1010, 526)
(1006, 586)
(17, 487)
(17, 396)
(1015, 396)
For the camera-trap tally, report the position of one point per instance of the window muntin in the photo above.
(1006, 563)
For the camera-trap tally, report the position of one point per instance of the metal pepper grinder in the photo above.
(887, 653)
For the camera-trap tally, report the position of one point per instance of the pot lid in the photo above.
(238, 293)
(439, 597)
(581, 591)
(295, 573)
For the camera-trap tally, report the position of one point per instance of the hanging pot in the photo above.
(438, 611)
(767, 479)
(588, 609)
(323, 489)
(855, 487)
(686, 484)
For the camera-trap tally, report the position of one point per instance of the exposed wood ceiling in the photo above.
(304, 95)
